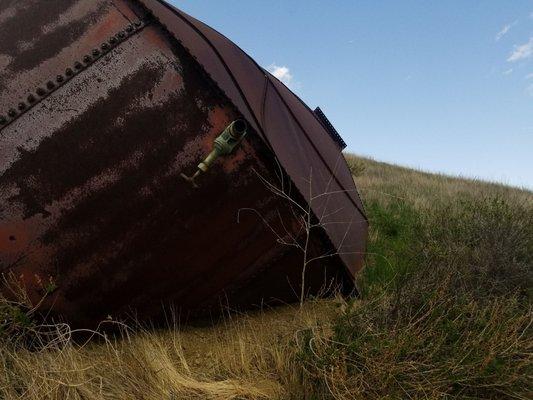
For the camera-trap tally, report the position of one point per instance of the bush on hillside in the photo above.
(19, 326)
(356, 166)
(448, 311)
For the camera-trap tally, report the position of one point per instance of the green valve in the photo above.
(224, 145)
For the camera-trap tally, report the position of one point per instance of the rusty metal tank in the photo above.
(104, 106)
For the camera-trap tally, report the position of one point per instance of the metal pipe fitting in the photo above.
(223, 145)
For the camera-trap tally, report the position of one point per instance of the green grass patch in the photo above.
(393, 247)
(446, 307)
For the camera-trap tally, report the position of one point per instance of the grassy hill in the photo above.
(445, 312)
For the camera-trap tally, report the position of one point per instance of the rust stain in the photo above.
(60, 55)
(14, 237)
(101, 32)
(90, 190)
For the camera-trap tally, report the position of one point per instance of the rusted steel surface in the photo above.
(286, 124)
(101, 110)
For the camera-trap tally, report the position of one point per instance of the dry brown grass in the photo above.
(446, 313)
(244, 357)
(385, 182)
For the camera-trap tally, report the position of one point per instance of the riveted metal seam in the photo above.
(53, 85)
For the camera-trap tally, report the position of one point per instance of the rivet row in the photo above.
(52, 85)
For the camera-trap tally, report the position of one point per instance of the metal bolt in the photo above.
(121, 35)
(104, 47)
(87, 59)
(12, 113)
(138, 23)
(31, 98)
(96, 52)
(22, 106)
(50, 85)
(41, 91)
(129, 28)
(78, 65)
(3, 120)
(69, 72)
(113, 40)
(60, 78)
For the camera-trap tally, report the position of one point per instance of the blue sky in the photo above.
(443, 86)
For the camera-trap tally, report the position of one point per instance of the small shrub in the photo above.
(15, 314)
(447, 348)
(19, 325)
(357, 166)
(487, 242)
(447, 310)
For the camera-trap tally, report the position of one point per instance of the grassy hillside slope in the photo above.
(445, 312)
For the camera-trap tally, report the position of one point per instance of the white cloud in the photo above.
(283, 73)
(505, 30)
(521, 52)
(508, 72)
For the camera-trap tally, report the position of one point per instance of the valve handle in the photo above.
(224, 145)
